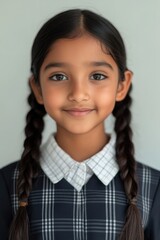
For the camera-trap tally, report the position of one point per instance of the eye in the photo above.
(98, 76)
(58, 77)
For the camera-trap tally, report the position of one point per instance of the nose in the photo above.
(78, 91)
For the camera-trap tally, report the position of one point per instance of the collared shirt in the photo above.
(97, 212)
(57, 164)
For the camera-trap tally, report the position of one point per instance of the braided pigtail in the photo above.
(28, 167)
(125, 156)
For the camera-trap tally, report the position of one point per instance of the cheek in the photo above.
(52, 98)
(107, 98)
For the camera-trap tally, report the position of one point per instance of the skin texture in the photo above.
(79, 94)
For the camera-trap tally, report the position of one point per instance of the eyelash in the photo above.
(60, 76)
(102, 76)
(57, 75)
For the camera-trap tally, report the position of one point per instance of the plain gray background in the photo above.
(138, 22)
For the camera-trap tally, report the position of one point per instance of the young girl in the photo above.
(83, 184)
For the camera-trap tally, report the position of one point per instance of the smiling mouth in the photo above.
(78, 112)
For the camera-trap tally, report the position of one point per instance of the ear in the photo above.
(36, 90)
(124, 86)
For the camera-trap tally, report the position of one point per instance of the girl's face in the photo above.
(79, 84)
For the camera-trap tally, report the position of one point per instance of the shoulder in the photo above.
(10, 167)
(141, 165)
(149, 184)
(8, 172)
(147, 173)
(148, 179)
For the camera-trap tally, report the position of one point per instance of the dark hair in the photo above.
(70, 24)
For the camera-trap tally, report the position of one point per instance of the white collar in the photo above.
(57, 164)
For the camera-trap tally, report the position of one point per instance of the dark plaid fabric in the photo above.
(97, 212)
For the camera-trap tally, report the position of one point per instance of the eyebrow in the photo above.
(55, 64)
(94, 64)
(101, 63)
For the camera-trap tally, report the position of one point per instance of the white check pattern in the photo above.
(57, 164)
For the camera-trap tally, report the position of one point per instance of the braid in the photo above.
(125, 156)
(28, 167)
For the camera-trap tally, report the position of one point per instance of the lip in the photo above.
(78, 112)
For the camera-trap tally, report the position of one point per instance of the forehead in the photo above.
(78, 50)
(85, 42)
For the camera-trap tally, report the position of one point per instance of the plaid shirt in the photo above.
(96, 212)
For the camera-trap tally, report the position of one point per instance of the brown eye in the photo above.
(98, 76)
(58, 77)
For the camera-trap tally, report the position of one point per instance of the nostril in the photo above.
(78, 97)
(78, 94)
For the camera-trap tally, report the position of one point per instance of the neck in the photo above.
(81, 146)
